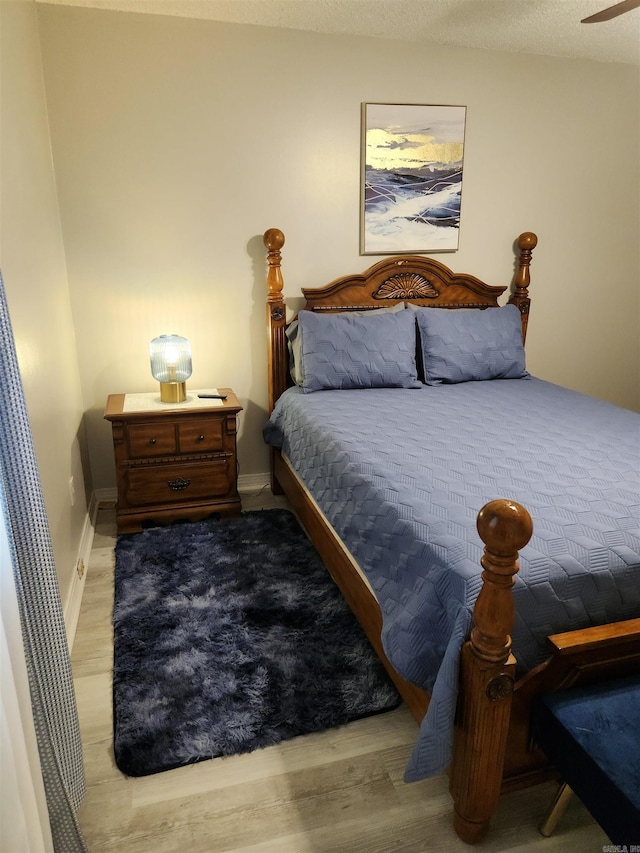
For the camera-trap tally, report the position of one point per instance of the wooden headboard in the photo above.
(405, 278)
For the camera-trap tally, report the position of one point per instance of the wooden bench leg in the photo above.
(557, 810)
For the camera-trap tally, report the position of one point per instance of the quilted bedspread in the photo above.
(401, 475)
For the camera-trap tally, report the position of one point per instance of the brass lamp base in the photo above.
(173, 392)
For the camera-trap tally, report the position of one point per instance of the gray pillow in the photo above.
(358, 350)
(472, 344)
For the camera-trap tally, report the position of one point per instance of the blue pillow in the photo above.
(471, 344)
(358, 350)
(294, 340)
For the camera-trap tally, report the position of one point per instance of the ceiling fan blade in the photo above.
(612, 12)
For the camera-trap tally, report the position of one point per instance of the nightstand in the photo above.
(173, 460)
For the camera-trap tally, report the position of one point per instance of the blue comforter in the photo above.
(401, 475)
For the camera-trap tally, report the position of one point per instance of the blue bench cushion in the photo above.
(592, 735)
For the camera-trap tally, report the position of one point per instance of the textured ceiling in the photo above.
(548, 27)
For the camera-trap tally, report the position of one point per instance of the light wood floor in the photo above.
(340, 790)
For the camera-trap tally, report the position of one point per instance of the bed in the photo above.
(481, 523)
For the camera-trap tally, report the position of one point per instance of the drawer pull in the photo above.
(200, 438)
(152, 440)
(178, 484)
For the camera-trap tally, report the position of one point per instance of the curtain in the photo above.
(24, 819)
(46, 654)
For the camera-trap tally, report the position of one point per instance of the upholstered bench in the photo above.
(592, 736)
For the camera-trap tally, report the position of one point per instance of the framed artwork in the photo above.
(412, 157)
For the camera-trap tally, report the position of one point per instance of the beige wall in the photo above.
(33, 267)
(178, 142)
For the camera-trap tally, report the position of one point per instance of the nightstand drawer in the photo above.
(200, 436)
(150, 484)
(146, 440)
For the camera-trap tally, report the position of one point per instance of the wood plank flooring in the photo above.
(341, 790)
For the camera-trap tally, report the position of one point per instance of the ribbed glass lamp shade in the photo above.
(171, 366)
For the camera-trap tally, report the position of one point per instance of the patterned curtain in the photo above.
(43, 630)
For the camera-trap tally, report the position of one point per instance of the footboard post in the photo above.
(487, 673)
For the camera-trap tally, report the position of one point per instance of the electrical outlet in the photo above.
(72, 491)
(80, 568)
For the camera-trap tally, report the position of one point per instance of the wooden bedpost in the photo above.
(526, 244)
(276, 316)
(487, 673)
(273, 240)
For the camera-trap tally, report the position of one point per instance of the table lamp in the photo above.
(171, 366)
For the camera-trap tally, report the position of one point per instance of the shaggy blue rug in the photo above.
(229, 635)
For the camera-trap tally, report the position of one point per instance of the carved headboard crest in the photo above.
(406, 285)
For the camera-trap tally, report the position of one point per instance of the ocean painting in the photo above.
(411, 178)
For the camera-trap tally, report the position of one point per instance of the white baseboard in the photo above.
(71, 608)
(104, 496)
(253, 484)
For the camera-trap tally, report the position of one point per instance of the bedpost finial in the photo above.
(273, 239)
(504, 526)
(527, 241)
